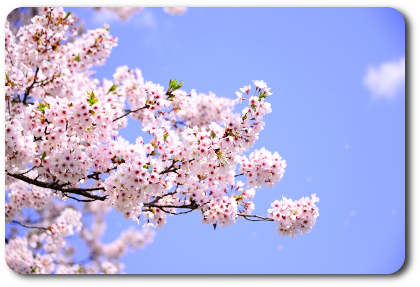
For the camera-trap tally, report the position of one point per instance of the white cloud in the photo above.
(104, 16)
(386, 80)
(141, 18)
(145, 19)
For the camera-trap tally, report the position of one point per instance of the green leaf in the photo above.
(33, 270)
(77, 58)
(165, 136)
(92, 100)
(67, 15)
(113, 88)
(262, 96)
(44, 155)
(147, 166)
(180, 84)
(174, 85)
(41, 108)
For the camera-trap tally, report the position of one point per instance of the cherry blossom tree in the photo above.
(62, 147)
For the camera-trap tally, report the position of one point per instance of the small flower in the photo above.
(246, 89)
(260, 84)
(240, 98)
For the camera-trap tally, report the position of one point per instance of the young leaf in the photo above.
(262, 96)
(92, 99)
(67, 15)
(113, 88)
(41, 108)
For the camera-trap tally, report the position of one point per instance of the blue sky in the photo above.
(341, 138)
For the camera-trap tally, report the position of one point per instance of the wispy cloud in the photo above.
(386, 80)
(104, 16)
(145, 19)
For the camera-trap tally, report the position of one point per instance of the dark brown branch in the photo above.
(28, 89)
(174, 213)
(162, 196)
(60, 187)
(79, 200)
(129, 112)
(28, 170)
(169, 170)
(8, 104)
(239, 174)
(96, 174)
(36, 227)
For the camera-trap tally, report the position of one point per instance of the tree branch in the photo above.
(28, 170)
(96, 174)
(79, 200)
(28, 89)
(162, 196)
(129, 112)
(36, 227)
(60, 187)
(248, 217)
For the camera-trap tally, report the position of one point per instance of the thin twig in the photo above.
(247, 217)
(28, 170)
(79, 200)
(162, 196)
(129, 112)
(37, 227)
(176, 213)
(96, 174)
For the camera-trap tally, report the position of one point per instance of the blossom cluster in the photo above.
(203, 109)
(19, 256)
(19, 144)
(45, 250)
(200, 161)
(21, 197)
(294, 217)
(263, 168)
